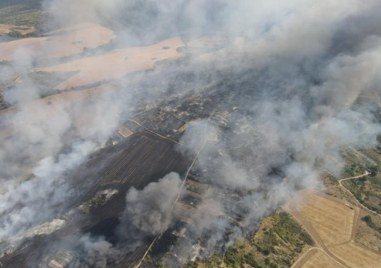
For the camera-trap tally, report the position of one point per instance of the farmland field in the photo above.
(355, 256)
(332, 224)
(333, 221)
(317, 259)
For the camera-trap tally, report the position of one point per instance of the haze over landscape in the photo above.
(190, 133)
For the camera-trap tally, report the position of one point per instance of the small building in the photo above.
(61, 260)
(125, 132)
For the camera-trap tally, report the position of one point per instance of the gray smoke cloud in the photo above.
(151, 209)
(84, 250)
(24, 204)
(95, 252)
(300, 80)
(43, 140)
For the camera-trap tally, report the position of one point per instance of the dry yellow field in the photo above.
(9, 51)
(332, 220)
(54, 104)
(116, 64)
(355, 256)
(319, 259)
(331, 223)
(62, 43)
(6, 29)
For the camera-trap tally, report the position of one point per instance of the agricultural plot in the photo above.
(333, 221)
(318, 259)
(116, 64)
(63, 43)
(355, 256)
(332, 224)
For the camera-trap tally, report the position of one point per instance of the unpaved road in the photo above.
(354, 197)
(341, 254)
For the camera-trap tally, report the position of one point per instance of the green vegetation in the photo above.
(21, 12)
(367, 190)
(151, 262)
(233, 258)
(353, 169)
(277, 243)
(369, 221)
(97, 201)
(3, 104)
(355, 164)
(282, 241)
(192, 264)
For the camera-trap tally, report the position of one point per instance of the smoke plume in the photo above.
(288, 86)
(150, 210)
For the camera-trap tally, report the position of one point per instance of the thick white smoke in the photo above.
(150, 210)
(42, 197)
(300, 79)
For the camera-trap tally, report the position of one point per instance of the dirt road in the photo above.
(354, 197)
(319, 214)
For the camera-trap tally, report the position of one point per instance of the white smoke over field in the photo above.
(299, 79)
(96, 252)
(24, 205)
(150, 211)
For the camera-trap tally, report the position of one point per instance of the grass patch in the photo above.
(369, 221)
(99, 200)
(278, 243)
(21, 12)
(367, 190)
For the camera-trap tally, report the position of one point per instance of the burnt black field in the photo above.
(141, 159)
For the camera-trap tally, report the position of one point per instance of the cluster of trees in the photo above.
(368, 220)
